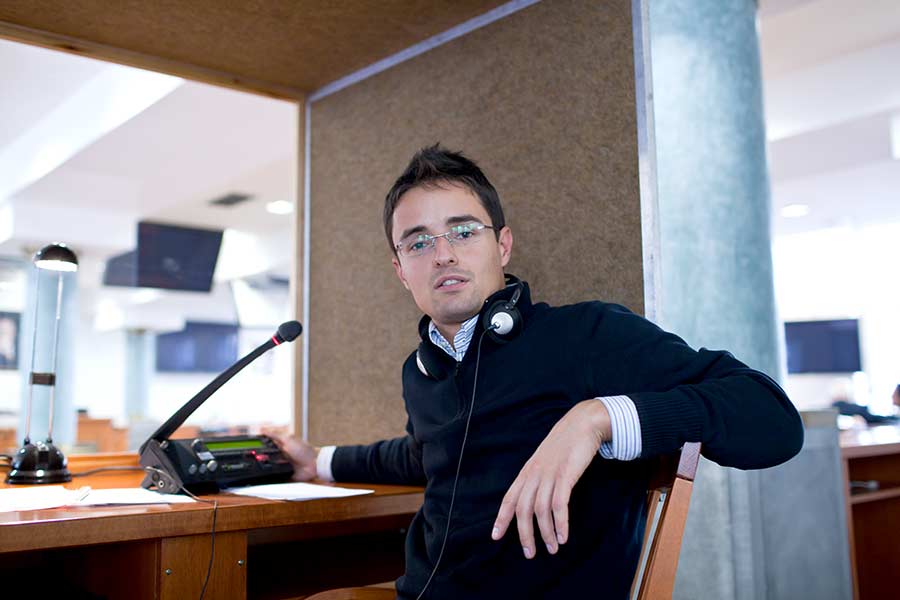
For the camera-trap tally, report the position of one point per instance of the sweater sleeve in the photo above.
(741, 416)
(396, 461)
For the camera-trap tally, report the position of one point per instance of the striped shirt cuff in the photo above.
(626, 429)
(323, 463)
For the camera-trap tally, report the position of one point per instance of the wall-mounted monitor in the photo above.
(198, 348)
(823, 346)
(168, 257)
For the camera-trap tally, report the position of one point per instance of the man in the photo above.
(553, 429)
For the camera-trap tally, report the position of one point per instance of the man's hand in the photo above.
(545, 483)
(301, 454)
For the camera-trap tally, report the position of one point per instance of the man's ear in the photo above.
(399, 270)
(505, 241)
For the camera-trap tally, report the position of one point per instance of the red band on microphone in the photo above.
(275, 339)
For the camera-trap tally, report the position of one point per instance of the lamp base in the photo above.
(40, 462)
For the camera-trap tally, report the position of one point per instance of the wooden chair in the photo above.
(668, 498)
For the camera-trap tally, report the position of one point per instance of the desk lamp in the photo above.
(43, 462)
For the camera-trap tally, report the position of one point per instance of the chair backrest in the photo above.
(668, 498)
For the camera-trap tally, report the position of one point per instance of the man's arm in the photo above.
(394, 461)
(742, 418)
(397, 461)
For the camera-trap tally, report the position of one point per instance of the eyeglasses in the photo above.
(420, 244)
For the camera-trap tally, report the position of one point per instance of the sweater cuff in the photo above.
(667, 421)
(323, 463)
(626, 429)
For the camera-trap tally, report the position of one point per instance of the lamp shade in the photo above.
(56, 257)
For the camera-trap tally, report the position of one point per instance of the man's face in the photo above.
(477, 267)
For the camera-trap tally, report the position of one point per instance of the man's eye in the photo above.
(464, 232)
(418, 246)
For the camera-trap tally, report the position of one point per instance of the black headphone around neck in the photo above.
(502, 321)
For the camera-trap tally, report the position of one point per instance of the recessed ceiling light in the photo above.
(792, 211)
(280, 207)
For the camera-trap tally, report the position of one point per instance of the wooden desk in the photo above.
(263, 549)
(873, 516)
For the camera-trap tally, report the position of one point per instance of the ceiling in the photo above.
(831, 91)
(283, 47)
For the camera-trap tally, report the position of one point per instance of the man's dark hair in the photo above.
(433, 166)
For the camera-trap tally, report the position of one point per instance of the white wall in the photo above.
(845, 273)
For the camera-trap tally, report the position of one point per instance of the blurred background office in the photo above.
(178, 198)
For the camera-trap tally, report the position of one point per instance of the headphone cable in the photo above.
(458, 464)
(212, 550)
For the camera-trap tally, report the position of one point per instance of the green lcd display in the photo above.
(233, 445)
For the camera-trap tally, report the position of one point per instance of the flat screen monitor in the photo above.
(823, 346)
(198, 348)
(177, 258)
(169, 257)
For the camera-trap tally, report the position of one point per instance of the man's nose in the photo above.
(444, 253)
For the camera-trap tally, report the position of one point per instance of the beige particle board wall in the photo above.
(544, 101)
(280, 47)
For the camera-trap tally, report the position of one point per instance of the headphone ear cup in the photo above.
(507, 316)
(431, 363)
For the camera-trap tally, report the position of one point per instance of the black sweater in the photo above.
(562, 356)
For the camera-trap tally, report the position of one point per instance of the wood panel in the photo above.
(873, 455)
(544, 101)
(183, 564)
(278, 47)
(69, 527)
(101, 434)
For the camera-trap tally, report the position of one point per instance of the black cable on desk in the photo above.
(101, 469)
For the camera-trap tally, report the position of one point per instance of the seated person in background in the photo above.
(896, 397)
(852, 409)
(567, 405)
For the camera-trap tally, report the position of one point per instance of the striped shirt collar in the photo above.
(460, 341)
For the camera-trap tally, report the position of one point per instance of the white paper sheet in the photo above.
(54, 496)
(38, 498)
(296, 491)
(130, 496)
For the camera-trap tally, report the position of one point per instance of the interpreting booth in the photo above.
(549, 97)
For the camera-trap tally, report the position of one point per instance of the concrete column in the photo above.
(139, 366)
(717, 292)
(64, 421)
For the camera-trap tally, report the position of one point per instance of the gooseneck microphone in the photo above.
(162, 457)
(287, 332)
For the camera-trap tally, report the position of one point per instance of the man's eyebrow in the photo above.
(449, 221)
(462, 219)
(412, 230)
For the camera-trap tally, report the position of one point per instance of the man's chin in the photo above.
(455, 314)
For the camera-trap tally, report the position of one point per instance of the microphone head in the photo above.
(289, 330)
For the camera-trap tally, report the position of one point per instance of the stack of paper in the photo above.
(296, 491)
(54, 496)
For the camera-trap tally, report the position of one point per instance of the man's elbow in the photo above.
(777, 446)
